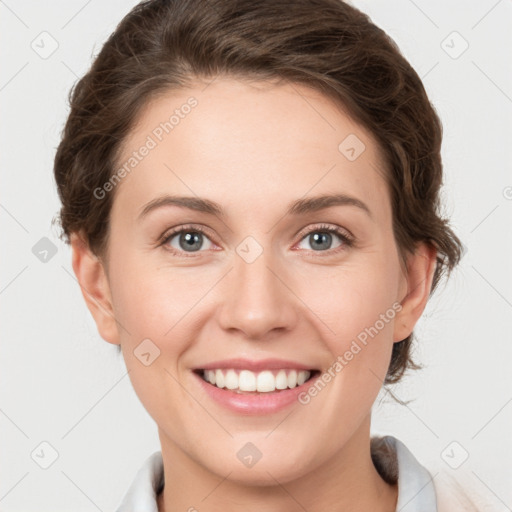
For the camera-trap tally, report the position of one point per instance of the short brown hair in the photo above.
(327, 45)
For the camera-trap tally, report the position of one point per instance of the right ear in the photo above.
(95, 288)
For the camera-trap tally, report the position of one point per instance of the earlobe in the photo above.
(420, 273)
(94, 284)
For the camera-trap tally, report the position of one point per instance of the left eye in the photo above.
(321, 239)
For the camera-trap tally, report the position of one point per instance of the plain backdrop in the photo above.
(65, 398)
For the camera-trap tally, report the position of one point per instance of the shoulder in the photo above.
(456, 490)
(396, 464)
(145, 487)
(420, 487)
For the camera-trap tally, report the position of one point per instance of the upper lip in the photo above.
(255, 366)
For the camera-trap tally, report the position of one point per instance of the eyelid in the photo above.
(183, 227)
(332, 228)
(176, 230)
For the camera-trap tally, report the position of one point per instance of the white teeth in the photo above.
(247, 381)
(281, 380)
(301, 378)
(231, 381)
(219, 379)
(292, 379)
(264, 382)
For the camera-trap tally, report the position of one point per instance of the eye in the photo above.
(321, 238)
(186, 239)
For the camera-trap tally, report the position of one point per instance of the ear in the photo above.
(421, 266)
(91, 275)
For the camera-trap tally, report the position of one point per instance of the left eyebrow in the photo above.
(313, 204)
(298, 207)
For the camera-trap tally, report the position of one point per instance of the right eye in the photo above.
(185, 239)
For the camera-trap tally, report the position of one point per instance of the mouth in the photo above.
(247, 382)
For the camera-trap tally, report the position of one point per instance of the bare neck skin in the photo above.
(348, 481)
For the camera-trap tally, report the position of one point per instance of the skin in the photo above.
(254, 147)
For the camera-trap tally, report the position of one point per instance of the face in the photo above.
(270, 282)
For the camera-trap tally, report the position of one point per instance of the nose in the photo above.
(258, 299)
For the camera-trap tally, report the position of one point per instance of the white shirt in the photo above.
(393, 460)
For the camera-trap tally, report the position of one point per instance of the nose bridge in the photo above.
(257, 301)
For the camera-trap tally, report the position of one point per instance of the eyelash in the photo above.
(348, 240)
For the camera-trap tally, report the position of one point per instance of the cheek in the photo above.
(357, 307)
(151, 301)
(156, 304)
(356, 317)
(352, 299)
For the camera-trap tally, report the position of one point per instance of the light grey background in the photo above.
(63, 385)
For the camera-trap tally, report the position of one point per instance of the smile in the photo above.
(247, 381)
(249, 386)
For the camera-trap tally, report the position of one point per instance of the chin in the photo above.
(262, 474)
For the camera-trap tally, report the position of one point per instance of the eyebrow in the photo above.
(298, 207)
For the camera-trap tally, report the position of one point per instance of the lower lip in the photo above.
(253, 404)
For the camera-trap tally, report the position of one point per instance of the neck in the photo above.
(346, 481)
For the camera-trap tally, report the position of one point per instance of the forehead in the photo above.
(249, 144)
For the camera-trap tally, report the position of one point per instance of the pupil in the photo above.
(319, 237)
(188, 240)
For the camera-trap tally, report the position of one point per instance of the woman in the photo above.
(251, 192)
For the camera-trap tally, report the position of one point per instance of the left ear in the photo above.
(421, 266)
